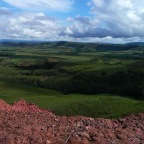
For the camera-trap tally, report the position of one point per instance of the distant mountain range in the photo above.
(78, 46)
(136, 43)
(17, 41)
(61, 42)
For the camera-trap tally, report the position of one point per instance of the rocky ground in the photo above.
(25, 123)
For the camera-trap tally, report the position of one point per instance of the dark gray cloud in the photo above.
(4, 11)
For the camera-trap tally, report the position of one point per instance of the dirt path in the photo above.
(25, 123)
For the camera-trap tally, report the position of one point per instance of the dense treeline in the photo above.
(43, 64)
(139, 56)
(130, 83)
(6, 54)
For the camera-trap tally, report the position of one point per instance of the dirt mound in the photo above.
(22, 105)
(25, 123)
(4, 105)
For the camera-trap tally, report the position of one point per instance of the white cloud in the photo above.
(110, 18)
(29, 26)
(110, 21)
(56, 5)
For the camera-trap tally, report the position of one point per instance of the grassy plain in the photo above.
(102, 105)
(74, 81)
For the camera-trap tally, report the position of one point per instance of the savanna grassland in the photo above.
(94, 80)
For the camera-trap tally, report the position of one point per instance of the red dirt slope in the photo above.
(25, 123)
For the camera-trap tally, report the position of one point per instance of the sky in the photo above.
(112, 21)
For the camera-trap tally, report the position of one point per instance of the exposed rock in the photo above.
(25, 123)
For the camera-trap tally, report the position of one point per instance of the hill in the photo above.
(78, 46)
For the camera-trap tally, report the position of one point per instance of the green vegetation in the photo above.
(106, 105)
(95, 80)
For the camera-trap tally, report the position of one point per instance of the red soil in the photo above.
(25, 123)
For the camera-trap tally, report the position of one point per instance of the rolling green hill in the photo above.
(95, 80)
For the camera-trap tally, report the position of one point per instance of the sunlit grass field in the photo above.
(100, 106)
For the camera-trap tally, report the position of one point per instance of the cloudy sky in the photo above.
(116, 21)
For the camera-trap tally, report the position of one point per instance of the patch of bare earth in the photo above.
(25, 123)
